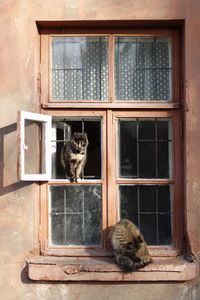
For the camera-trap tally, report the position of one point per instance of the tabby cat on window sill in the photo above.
(73, 155)
(130, 248)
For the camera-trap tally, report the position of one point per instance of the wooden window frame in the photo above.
(112, 107)
(176, 180)
(46, 138)
(111, 103)
(110, 182)
(46, 248)
(61, 264)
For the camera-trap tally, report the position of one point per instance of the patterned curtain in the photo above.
(79, 68)
(143, 68)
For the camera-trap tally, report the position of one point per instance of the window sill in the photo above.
(46, 268)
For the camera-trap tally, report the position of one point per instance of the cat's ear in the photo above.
(140, 240)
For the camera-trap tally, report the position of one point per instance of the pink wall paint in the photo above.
(19, 66)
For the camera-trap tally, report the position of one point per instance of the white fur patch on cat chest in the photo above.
(77, 157)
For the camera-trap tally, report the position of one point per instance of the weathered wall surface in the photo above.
(19, 64)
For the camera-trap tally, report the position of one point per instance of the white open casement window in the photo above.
(34, 147)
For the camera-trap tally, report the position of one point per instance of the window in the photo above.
(122, 89)
(34, 144)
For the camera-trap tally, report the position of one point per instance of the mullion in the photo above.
(138, 206)
(138, 147)
(157, 229)
(154, 213)
(65, 217)
(100, 47)
(83, 215)
(156, 148)
(119, 81)
(82, 74)
(64, 51)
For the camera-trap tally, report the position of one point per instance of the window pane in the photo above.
(79, 68)
(129, 203)
(149, 207)
(75, 217)
(147, 159)
(145, 148)
(62, 131)
(147, 198)
(164, 235)
(148, 228)
(163, 130)
(128, 148)
(147, 130)
(143, 68)
(33, 149)
(164, 205)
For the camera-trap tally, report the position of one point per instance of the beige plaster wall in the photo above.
(19, 65)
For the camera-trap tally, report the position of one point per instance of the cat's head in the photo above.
(79, 142)
(134, 245)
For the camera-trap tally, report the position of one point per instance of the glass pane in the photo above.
(164, 205)
(149, 207)
(62, 131)
(147, 198)
(143, 68)
(75, 217)
(164, 229)
(148, 228)
(164, 130)
(147, 130)
(163, 159)
(145, 148)
(33, 148)
(129, 203)
(128, 148)
(79, 68)
(147, 159)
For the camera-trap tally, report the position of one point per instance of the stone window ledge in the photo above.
(46, 268)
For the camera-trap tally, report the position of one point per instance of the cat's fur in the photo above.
(74, 155)
(130, 248)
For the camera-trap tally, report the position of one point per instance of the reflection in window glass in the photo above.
(150, 208)
(79, 68)
(75, 215)
(145, 148)
(34, 164)
(143, 68)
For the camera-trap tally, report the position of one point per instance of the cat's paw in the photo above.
(77, 179)
(147, 260)
(126, 264)
(144, 262)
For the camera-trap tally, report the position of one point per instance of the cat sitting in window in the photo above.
(74, 154)
(130, 248)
